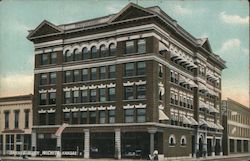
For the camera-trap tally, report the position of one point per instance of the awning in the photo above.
(192, 84)
(202, 87)
(162, 47)
(186, 120)
(212, 109)
(220, 127)
(193, 121)
(203, 122)
(162, 115)
(212, 125)
(182, 79)
(203, 105)
(173, 54)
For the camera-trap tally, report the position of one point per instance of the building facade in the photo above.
(15, 124)
(125, 85)
(236, 123)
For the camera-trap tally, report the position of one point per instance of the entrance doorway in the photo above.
(200, 151)
(209, 147)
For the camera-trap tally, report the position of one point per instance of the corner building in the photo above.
(126, 84)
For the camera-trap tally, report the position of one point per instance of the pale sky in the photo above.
(224, 22)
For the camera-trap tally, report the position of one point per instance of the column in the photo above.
(33, 143)
(213, 146)
(221, 152)
(22, 141)
(235, 145)
(242, 146)
(205, 145)
(152, 132)
(15, 150)
(58, 146)
(118, 143)
(86, 143)
(196, 144)
(4, 144)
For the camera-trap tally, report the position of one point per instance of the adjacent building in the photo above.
(236, 123)
(15, 124)
(124, 85)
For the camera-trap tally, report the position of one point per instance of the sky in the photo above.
(224, 22)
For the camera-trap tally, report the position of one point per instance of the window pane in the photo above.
(103, 51)
(51, 118)
(43, 99)
(53, 58)
(67, 97)
(52, 98)
(102, 74)
(52, 78)
(129, 115)
(66, 117)
(77, 55)
(92, 117)
(141, 68)
(43, 79)
(92, 95)
(7, 115)
(16, 119)
(130, 47)
(42, 119)
(76, 95)
(77, 75)
(74, 118)
(141, 92)
(112, 49)
(68, 56)
(83, 119)
(102, 117)
(93, 73)
(85, 76)
(111, 94)
(44, 59)
(84, 96)
(129, 69)
(129, 95)
(102, 94)
(112, 71)
(141, 46)
(111, 116)
(85, 54)
(68, 76)
(141, 115)
(94, 53)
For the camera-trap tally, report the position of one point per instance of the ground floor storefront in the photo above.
(238, 145)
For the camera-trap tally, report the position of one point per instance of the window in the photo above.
(129, 69)
(103, 51)
(183, 141)
(112, 49)
(141, 92)
(172, 76)
(7, 117)
(42, 118)
(176, 78)
(67, 97)
(68, 76)
(43, 79)
(94, 53)
(83, 119)
(68, 56)
(141, 46)
(77, 75)
(74, 117)
(76, 97)
(112, 71)
(111, 94)
(26, 117)
(84, 96)
(52, 78)
(172, 99)
(53, 57)
(130, 47)
(141, 115)
(92, 117)
(92, 95)
(43, 98)
(44, 59)
(51, 118)
(93, 73)
(9, 140)
(172, 140)
(160, 70)
(77, 54)
(85, 76)
(141, 68)
(52, 98)
(111, 114)
(102, 117)
(102, 94)
(66, 117)
(102, 74)
(129, 95)
(85, 54)
(129, 115)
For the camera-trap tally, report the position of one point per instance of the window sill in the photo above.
(88, 81)
(134, 76)
(109, 102)
(48, 105)
(134, 100)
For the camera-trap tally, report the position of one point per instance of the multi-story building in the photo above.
(126, 84)
(236, 123)
(15, 124)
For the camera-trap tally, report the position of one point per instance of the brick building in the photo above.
(125, 84)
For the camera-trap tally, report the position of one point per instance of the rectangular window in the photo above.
(85, 75)
(141, 46)
(51, 118)
(43, 79)
(9, 140)
(68, 77)
(172, 76)
(141, 92)
(141, 115)
(16, 122)
(111, 94)
(43, 98)
(76, 97)
(102, 117)
(77, 75)
(84, 96)
(102, 94)
(141, 68)
(93, 73)
(44, 59)
(111, 114)
(7, 119)
(92, 95)
(66, 117)
(67, 97)
(129, 94)
(26, 124)
(52, 98)
(92, 117)
(42, 118)
(84, 116)
(53, 58)
(102, 74)
(160, 70)
(74, 117)
(129, 69)
(112, 71)
(130, 47)
(52, 78)
(129, 115)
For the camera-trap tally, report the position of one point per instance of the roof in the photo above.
(16, 98)
(238, 104)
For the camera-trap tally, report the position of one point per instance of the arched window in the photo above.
(68, 56)
(94, 53)
(103, 51)
(183, 140)
(85, 53)
(77, 55)
(172, 140)
(112, 49)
